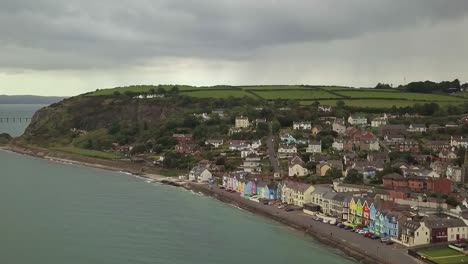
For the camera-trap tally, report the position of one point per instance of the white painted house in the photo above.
(285, 150)
(379, 121)
(417, 128)
(338, 144)
(339, 126)
(357, 120)
(200, 174)
(297, 167)
(242, 122)
(302, 125)
(314, 147)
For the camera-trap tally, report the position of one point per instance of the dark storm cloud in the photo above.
(46, 34)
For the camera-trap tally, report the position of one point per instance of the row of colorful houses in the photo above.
(249, 185)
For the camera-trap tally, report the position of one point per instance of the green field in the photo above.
(444, 256)
(398, 95)
(327, 95)
(337, 89)
(295, 94)
(377, 103)
(217, 93)
(87, 152)
(137, 89)
(271, 87)
(462, 94)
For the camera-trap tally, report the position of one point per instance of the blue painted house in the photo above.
(271, 191)
(289, 139)
(372, 216)
(279, 190)
(247, 187)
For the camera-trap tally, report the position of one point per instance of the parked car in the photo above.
(374, 237)
(221, 187)
(362, 232)
(340, 225)
(384, 239)
(348, 227)
(389, 242)
(368, 234)
(289, 209)
(332, 222)
(325, 221)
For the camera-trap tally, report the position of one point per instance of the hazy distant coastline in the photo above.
(29, 99)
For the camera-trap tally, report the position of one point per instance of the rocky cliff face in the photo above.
(55, 123)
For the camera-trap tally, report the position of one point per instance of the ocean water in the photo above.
(53, 213)
(16, 110)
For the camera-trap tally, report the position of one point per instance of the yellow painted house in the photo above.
(352, 210)
(322, 168)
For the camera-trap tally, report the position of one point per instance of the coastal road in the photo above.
(388, 254)
(272, 153)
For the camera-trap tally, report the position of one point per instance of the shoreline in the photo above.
(312, 229)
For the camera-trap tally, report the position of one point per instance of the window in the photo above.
(426, 233)
(417, 233)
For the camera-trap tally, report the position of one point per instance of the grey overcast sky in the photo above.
(50, 47)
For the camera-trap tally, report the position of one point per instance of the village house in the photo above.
(248, 151)
(438, 145)
(454, 173)
(418, 183)
(324, 166)
(252, 164)
(408, 146)
(447, 155)
(296, 193)
(316, 130)
(379, 121)
(339, 126)
(200, 174)
(297, 167)
(459, 142)
(357, 120)
(302, 125)
(324, 108)
(338, 144)
(433, 229)
(392, 129)
(238, 145)
(414, 233)
(378, 157)
(183, 138)
(440, 166)
(216, 143)
(242, 122)
(417, 128)
(289, 139)
(285, 150)
(219, 113)
(314, 147)
(394, 139)
(369, 145)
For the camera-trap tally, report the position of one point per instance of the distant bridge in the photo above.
(14, 119)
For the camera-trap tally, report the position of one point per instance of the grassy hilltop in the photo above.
(303, 94)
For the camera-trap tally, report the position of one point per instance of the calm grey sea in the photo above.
(55, 213)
